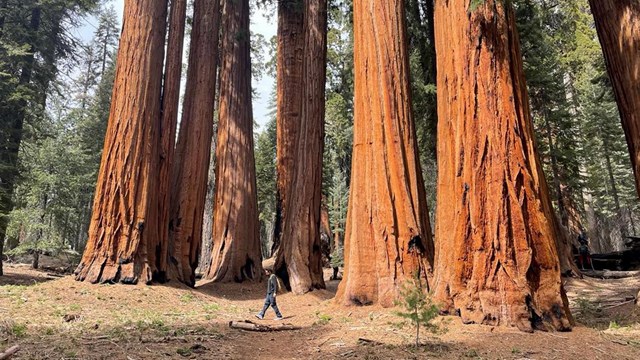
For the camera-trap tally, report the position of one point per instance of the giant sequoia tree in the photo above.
(388, 237)
(299, 256)
(194, 143)
(289, 102)
(618, 26)
(236, 254)
(497, 256)
(123, 241)
(170, 101)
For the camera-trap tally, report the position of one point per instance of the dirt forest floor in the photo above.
(58, 318)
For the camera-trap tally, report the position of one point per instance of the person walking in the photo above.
(270, 300)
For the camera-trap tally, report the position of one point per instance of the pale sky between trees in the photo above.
(259, 24)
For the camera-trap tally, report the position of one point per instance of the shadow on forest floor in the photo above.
(254, 291)
(23, 275)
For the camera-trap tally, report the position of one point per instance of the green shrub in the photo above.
(417, 306)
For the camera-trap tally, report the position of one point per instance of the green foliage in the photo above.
(265, 157)
(323, 319)
(14, 329)
(577, 126)
(337, 257)
(68, 101)
(417, 306)
(475, 4)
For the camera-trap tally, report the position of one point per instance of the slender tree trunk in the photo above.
(289, 103)
(123, 235)
(618, 26)
(425, 43)
(169, 121)
(207, 218)
(563, 239)
(326, 235)
(614, 188)
(299, 257)
(388, 236)
(499, 264)
(194, 143)
(555, 171)
(236, 254)
(35, 264)
(15, 120)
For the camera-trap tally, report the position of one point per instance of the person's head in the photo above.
(268, 271)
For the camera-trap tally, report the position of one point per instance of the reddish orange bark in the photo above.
(497, 256)
(194, 143)
(170, 101)
(289, 103)
(236, 254)
(388, 237)
(299, 257)
(618, 26)
(123, 235)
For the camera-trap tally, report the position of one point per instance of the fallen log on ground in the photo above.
(610, 274)
(251, 326)
(9, 352)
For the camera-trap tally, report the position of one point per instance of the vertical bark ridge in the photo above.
(289, 103)
(497, 255)
(236, 254)
(170, 101)
(194, 143)
(300, 251)
(123, 232)
(618, 26)
(388, 236)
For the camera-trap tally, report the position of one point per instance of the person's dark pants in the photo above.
(270, 301)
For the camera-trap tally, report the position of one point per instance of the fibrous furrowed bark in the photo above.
(170, 101)
(289, 103)
(497, 260)
(299, 255)
(388, 237)
(123, 239)
(194, 144)
(236, 254)
(618, 26)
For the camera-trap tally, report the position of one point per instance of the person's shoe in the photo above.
(260, 316)
(278, 318)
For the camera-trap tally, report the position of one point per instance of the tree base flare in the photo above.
(105, 272)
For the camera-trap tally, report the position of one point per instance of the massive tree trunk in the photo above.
(14, 118)
(289, 103)
(170, 101)
(123, 238)
(236, 254)
(497, 255)
(299, 257)
(618, 26)
(194, 143)
(207, 218)
(388, 237)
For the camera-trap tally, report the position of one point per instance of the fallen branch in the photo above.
(619, 304)
(251, 326)
(609, 274)
(364, 341)
(9, 352)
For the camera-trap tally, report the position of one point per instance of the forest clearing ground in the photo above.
(59, 318)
